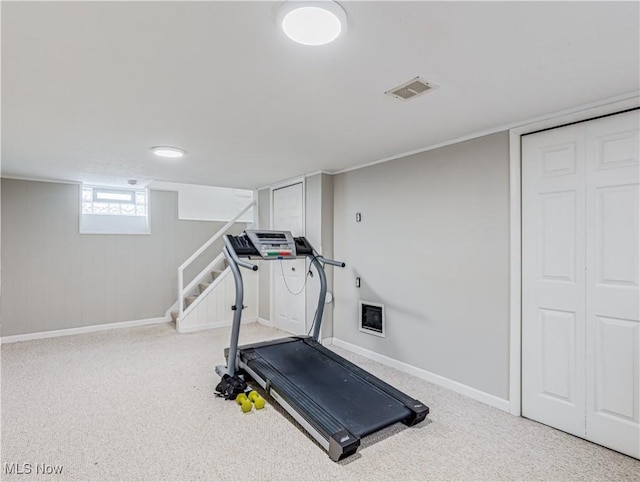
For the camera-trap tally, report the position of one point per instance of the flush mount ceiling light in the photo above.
(168, 151)
(312, 22)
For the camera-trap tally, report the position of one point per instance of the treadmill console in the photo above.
(273, 244)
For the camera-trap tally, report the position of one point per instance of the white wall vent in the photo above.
(411, 89)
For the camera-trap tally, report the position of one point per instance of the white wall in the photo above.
(208, 203)
(433, 246)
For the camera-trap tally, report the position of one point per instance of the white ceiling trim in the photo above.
(292, 180)
(505, 127)
(38, 179)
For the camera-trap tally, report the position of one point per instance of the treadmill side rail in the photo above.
(339, 442)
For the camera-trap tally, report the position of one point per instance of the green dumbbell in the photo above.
(244, 402)
(257, 400)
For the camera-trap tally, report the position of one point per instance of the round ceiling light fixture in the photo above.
(168, 151)
(312, 22)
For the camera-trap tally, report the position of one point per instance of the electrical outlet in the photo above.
(358, 282)
(358, 217)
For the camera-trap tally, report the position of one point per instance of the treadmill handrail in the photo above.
(232, 364)
(234, 256)
(332, 262)
(317, 320)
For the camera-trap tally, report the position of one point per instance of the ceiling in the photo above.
(89, 87)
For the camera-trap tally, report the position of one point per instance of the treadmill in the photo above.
(335, 401)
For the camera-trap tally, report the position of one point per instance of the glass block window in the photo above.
(114, 210)
(114, 202)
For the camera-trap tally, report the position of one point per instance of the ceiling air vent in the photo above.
(411, 89)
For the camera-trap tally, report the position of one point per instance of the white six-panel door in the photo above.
(580, 280)
(553, 302)
(289, 276)
(613, 297)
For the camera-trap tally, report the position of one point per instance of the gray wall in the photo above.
(55, 278)
(433, 246)
(319, 231)
(264, 278)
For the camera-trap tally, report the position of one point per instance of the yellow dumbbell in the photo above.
(244, 402)
(257, 400)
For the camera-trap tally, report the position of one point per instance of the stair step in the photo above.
(201, 288)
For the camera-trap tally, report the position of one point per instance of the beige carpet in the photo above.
(138, 404)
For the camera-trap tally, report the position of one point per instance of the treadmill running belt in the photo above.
(357, 405)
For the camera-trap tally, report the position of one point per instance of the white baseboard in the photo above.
(83, 329)
(265, 322)
(475, 394)
(212, 325)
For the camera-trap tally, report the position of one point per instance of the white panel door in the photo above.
(289, 275)
(613, 295)
(553, 283)
(580, 280)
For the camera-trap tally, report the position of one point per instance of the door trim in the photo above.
(275, 187)
(515, 228)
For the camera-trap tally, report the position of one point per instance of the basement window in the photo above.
(105, 210)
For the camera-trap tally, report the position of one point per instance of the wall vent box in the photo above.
(371, 316)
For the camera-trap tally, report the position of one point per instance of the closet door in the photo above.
(553, 278)
(580, 280)
(613, 296)
(289, 312)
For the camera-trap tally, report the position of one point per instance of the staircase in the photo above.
(205, 302)
(202, 288)
(204, 285)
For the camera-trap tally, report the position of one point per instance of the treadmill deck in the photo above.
(359, 406)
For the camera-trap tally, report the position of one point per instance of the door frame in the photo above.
(583, 113)
(272, 272)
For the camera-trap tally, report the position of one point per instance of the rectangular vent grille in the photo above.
(411, 89)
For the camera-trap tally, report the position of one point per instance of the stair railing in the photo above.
(182, 290)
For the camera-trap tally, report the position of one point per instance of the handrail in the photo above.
(213, 239)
